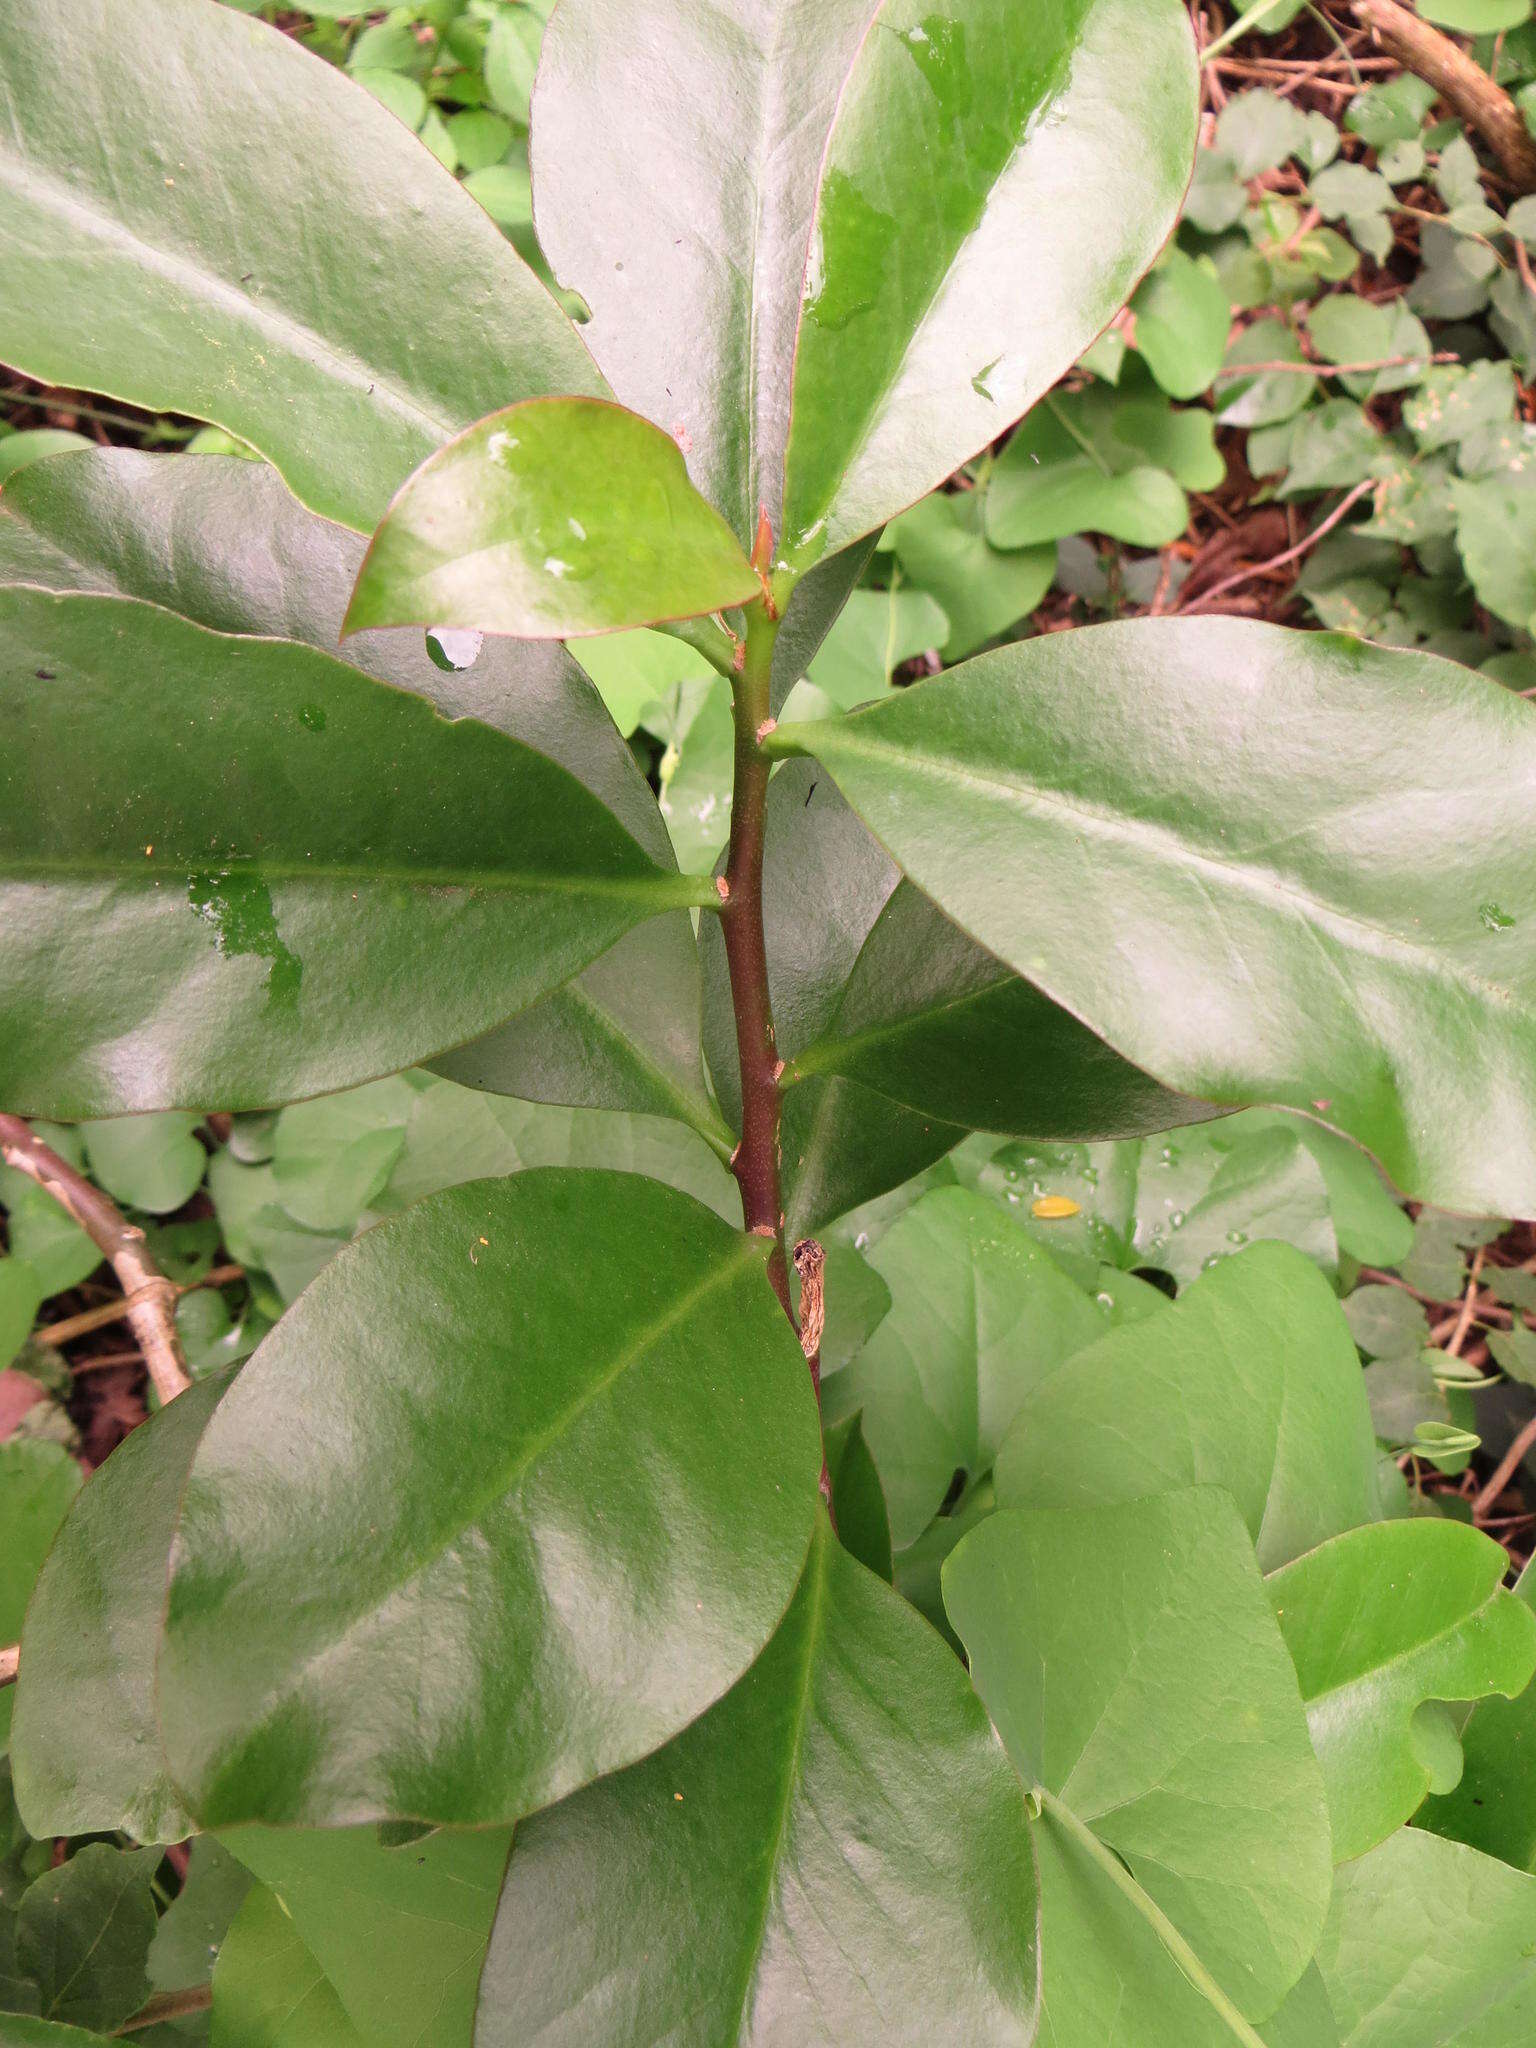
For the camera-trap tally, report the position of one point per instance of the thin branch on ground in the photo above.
(1441, 355)
(1461, 82)
(69, 1327)
(150, 1303)
(169, 2005)
(1504, 1471)
(1230, 583)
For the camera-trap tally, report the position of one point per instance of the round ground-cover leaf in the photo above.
(184, 535)
(836, 1853)
(982, 590)
(530, 1467)
(1131, 1664)
(980, 1314)
(1428, 1945)
(554, 518)
(934, 1021)
(1264, 865)
(121, 272)
(148, 1162)
(1380, 1621)
(400, 1933)
(84, 1748)
(693, 273)
(269, 1990)
(1250, 1381)
(287, 843)
(995, 181)
(1493, 1805)
(38, 1482)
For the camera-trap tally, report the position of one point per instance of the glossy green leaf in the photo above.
(1380, 1621)
(693, 272)
(291, 835)
(120, 272)
(554, 518)
(932, 1020)
(1130, 1662)
(399, 1932)
(83, 1933)
(1249, 1381)
(268, 1989)
(33, 445)
(639, 1418)
(38, 1481)
(980, 1314)
(1428, 1945)
(1263, 914)
(1493, 1805)
(858, 1498)
(950, 282)
(177, 534)
(84, 1746)
(835, 1853)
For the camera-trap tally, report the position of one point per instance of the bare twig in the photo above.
(1310, 540)
(68, 1328)
(1464, 86)
(150, 1302)
(169, 2005)
(1443, 355)
(1505, 1470)
(1469, 1302)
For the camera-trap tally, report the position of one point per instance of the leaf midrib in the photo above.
(1238, 875)
(299, 339)
(491, 880)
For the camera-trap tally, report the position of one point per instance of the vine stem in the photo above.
(150, 1303)
(756, 1160)
(1178, 1948)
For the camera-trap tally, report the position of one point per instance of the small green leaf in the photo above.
(554, 518)
(1182, 317)
(83, 1933)
(981, 589)
(1383, 1624)
(1249, 1381)
(38, 1482)
(268, 1990)
(149, 1162)
(875, 632)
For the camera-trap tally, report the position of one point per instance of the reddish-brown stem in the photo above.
(168, 2005)
(151, 1298)
(755, 1162)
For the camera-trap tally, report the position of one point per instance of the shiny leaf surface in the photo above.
(1131, 1664)
(554, 518)
(289, 836)
(995, 181)
(268, 1989)
(1256, 862)
(591, 1524)
(1249, 1382)
(1384, 1624)
(835, 1853)
(693, 272)
(84, 1746)
(179, 534)
(122, 271)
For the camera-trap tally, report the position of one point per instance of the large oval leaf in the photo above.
(84, 1747)
(1131, 1664)
(1384, 1624)
(835, 1853)
(226, 864)
(1250, 1381)
(1265, 865)
(530, 1469)
(221, 542)
(159, 246)
(555, 518)
(996, 179)
(693, 271)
